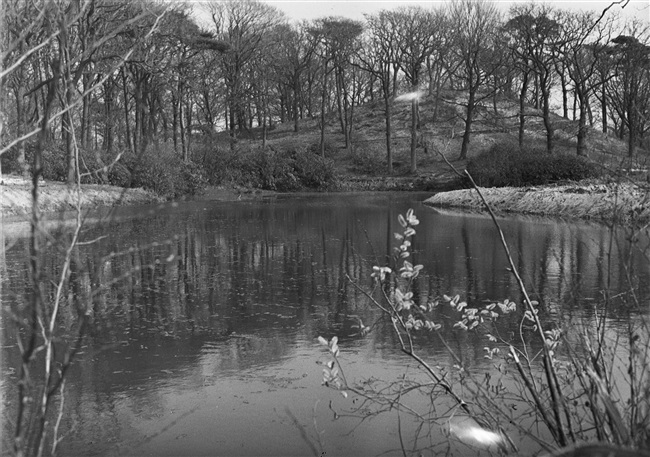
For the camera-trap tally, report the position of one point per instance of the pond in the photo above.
(204, 335)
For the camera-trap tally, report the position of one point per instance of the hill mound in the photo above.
(441, 129)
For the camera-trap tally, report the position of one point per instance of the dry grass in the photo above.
(444, 135)
(604, 202)
(16, 197)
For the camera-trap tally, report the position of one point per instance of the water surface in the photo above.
(205, 326)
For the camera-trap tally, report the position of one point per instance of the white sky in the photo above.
(354, 9)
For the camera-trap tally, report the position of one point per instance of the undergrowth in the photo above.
(505, 164)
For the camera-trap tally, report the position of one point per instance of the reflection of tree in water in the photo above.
(189, 294)
(214, 271)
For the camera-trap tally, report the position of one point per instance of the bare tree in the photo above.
(292, 57)
(337, 38)
(537, 31)
(582, 43)
(629, 88)
(475, 27)
(416, 33)
(242, 25)
(439, 64)
(376, 56)
(46, 353)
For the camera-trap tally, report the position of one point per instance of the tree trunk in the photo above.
(20, 121)
(395, 72)
(438, 90)
(582, 125)
(296, 114)
(283, 109)
(264, 116)
(536, 91)
(175, 109)
(565, 95)
(339, 102)
(494, 96)
(603, 107)
(631, 126)
(546, 114)
(468, 123)
(70, 149)
(522, 107)
(575, 105)
(322, 113)
(188, 131)
(86, 138)
(347, 113)
(109, 124)
(387, 113)
(137, 128)
(181, 123)
(231, 116)
(127, 121)
(414, 133)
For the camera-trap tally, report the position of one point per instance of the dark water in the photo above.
(204, 334)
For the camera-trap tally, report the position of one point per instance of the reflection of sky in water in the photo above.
(203, 352)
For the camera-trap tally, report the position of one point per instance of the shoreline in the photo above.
(55, 197)
(591, 201)
(586, 200)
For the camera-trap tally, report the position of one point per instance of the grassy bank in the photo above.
(16, 196)
(624, 203)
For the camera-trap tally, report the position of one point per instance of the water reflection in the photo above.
(207, 313)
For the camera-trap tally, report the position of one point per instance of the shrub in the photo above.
(163, 171)
(504, 164)
(366, 160)
(10, 163)
(53, 161)
(190, 180)
(220, 163)
(494, 167)
(330, 147)
(119, 175)
(315, 172)
(286, 170)
(91, 167)
(283, 167)
(276, 170)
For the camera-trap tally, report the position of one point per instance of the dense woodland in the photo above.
(113, 81)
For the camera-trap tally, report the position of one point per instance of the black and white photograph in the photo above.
(324, 228)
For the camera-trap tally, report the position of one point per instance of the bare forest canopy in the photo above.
(92, 82)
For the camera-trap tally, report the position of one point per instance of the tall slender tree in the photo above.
(583, 40)
(337, 38)
(242, 25)
(536, 32)
(293, 56)
(475, 27)
(415, 29)
(376, 57)
(629, 88)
